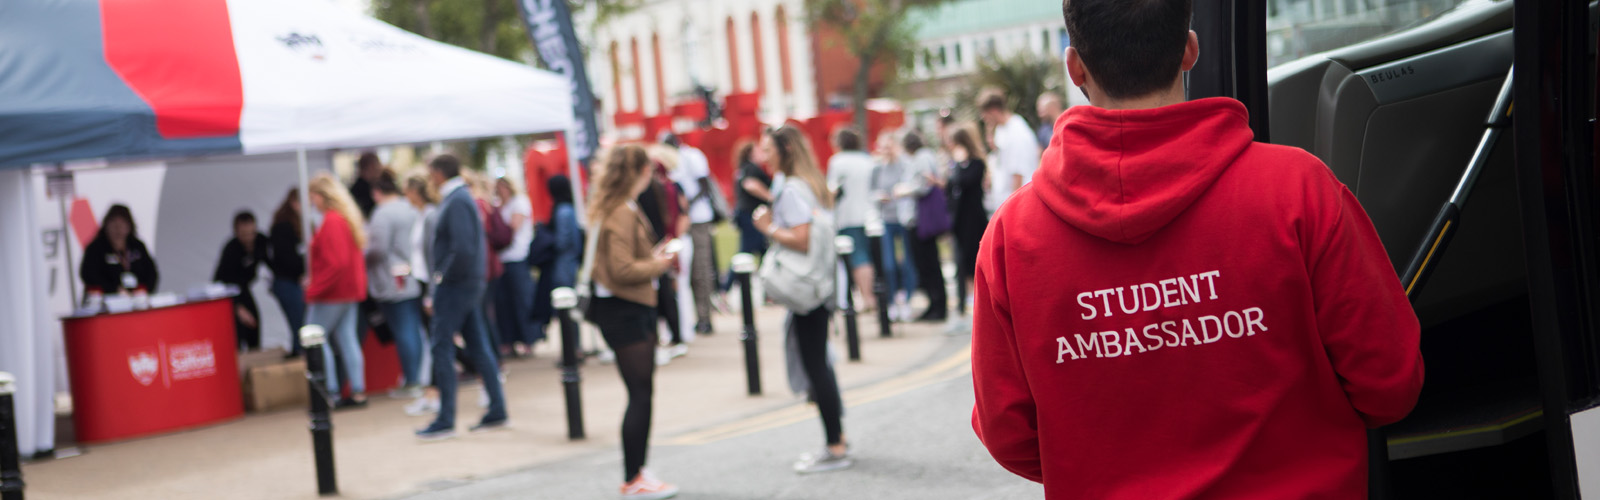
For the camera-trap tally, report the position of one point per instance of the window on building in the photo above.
(782, 19)
(958, 54)
(661, 80)
(1044, 42)
(756, 53)
(733, 57)
(616, 74)
(638, 78)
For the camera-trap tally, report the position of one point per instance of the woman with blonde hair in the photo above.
(338, 281)
(800, 195)
(514, 289)
(625, 267)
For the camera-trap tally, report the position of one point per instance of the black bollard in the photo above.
(846, 245)
(564, 299)
(880, 281)
(311, 339)
(743, 264)
(10, 465)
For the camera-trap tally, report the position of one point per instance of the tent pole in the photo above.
(68, 239)
(578, 193)
(305, 207)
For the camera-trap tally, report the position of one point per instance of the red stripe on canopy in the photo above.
(178, 56)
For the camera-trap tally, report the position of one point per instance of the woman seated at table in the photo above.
(116, 261)
(241, 257)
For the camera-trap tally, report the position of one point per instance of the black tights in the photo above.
(637, 364)
(811, 331)
(667, 306)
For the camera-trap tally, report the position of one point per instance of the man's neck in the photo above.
(1173, 95)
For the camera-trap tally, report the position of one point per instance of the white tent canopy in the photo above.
(318, 77)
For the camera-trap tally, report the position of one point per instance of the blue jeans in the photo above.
(513, 305)
(292, 299)
(862, 257)
(339, 320)
(405, 320)
(458, 307)
(899, 271)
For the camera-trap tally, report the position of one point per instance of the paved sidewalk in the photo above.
(699, 398)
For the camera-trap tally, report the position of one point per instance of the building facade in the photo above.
(657, 55)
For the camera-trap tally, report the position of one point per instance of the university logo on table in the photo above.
(144, 365)
(192, 360)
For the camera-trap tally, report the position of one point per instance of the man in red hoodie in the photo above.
(1175, 311)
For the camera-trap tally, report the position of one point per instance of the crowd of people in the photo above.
(454, 270)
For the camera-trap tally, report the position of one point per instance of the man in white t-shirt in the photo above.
(693, 176)
(1016, 149)
(850, 173)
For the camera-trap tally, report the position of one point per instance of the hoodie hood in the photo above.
(1122, 175)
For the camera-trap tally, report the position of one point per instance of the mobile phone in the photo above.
(673, 247)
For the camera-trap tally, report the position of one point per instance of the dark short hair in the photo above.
(368, 159)
(386, 183)
(447, 165)
(848, 139)
(242, 217)
(560, 189)
(993, 101)
(912, 142)
(671, 139)
(1132, 47)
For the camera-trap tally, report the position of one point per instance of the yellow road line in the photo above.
(956, 365)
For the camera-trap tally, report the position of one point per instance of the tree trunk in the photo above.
(863, 80)
(424, 21)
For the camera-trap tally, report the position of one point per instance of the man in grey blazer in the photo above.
(459, 262)
(390, 281)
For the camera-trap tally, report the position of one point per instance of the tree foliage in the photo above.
(1022, 76)
(874, 31)
(488, 26)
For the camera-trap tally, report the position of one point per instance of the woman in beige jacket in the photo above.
(625, 270)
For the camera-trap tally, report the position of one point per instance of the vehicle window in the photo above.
(1298, 28)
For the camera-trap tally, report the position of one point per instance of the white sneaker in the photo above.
(663, 356)
(679, 350)
(607, 357)
(422, 406)
(824, 461)
(406, 392)
(647, 487)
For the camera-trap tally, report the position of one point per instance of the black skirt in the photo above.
(623, 322)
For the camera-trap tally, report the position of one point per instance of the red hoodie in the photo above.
(338, 273)
(1170, 310)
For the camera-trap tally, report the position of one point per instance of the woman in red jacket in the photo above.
(338, 281)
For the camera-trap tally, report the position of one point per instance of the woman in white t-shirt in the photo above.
(513, 297)
(799, 196)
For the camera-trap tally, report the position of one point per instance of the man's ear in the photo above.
(1075, 68)
(1191, 51)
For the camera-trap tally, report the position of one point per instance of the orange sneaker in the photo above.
(647, 487)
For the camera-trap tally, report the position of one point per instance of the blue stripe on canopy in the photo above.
(60, 101)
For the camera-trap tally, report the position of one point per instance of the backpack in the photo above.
(499, 233)
(802, 282)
